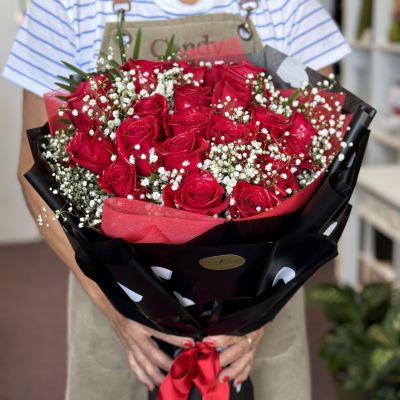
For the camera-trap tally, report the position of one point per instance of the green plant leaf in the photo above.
(65, 121)
(121, 44)
(137, 45)
(172, 49)
(391, 322)
(381, 360)
(339, 304)
(77, 70)
(378, 335)
(375, 302)
(64, 86)
(71, 81)
(62, 98)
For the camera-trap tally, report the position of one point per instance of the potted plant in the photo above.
(362, 349)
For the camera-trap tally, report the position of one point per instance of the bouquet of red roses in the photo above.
(201, 196)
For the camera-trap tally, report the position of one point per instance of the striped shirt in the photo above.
(72, 31)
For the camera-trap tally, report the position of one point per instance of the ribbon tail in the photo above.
(169, 391)
(207, 381)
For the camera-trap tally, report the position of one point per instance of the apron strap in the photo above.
(124, 5)
(244, 30)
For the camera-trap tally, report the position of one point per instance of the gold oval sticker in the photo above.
(221, 263)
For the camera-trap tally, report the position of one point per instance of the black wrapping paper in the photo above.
(167, 286)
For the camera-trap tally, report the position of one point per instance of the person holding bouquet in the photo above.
(99, 367)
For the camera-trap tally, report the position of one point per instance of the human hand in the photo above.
(238, 355)
(145, 357)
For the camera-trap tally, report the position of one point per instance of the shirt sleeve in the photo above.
(313, 36)
(45, 38)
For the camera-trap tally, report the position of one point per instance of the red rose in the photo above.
(189, 96)
(156, 105)
(91, 152)
(135, 137)
(80, 99)
(196, 119)
(119, 178)
(145, 65)
(252, 199)
(183, 147)
(198, 73)
(145, 71)
(276, 124)
(281, 178)
(199, 192)
(241, 73)
(224, 130)
(230, 95)
(300, 135)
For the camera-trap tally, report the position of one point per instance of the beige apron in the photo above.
(97, 364)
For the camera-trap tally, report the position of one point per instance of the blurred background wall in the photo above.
(15, 223)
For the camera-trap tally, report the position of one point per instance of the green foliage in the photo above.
(137, 45)
(363, 347)
(172, 49)
(121, 44)
(77, 70)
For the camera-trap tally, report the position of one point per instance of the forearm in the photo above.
(55, 237)
(35, 115)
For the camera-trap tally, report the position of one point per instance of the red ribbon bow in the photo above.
(197, 366)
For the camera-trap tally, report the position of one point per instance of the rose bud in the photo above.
(188, 96)
(231, 96)
(252, 199)
(155, 105)
(185, 147)
(91, 152)
(224, 130)
(135, 138)
(196, 119)
(199, 192)
(119, 178)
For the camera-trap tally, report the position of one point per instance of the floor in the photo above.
(33, 286)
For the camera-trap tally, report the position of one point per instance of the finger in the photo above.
(151, 370)
(236, 368)
(177, 341)
(243, 375)
(234, 352)
(221, 340)
(158, 357)
(139, 372)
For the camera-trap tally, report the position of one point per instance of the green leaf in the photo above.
(137, 45)
(171, 48)
(62, 98)
(378, 335)
(81, 73)
(293, 97)
(71, 81)
(66, 87)
(339, 304)
(65, 121)
(113, 63)
(121, 43)
(391, 322)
